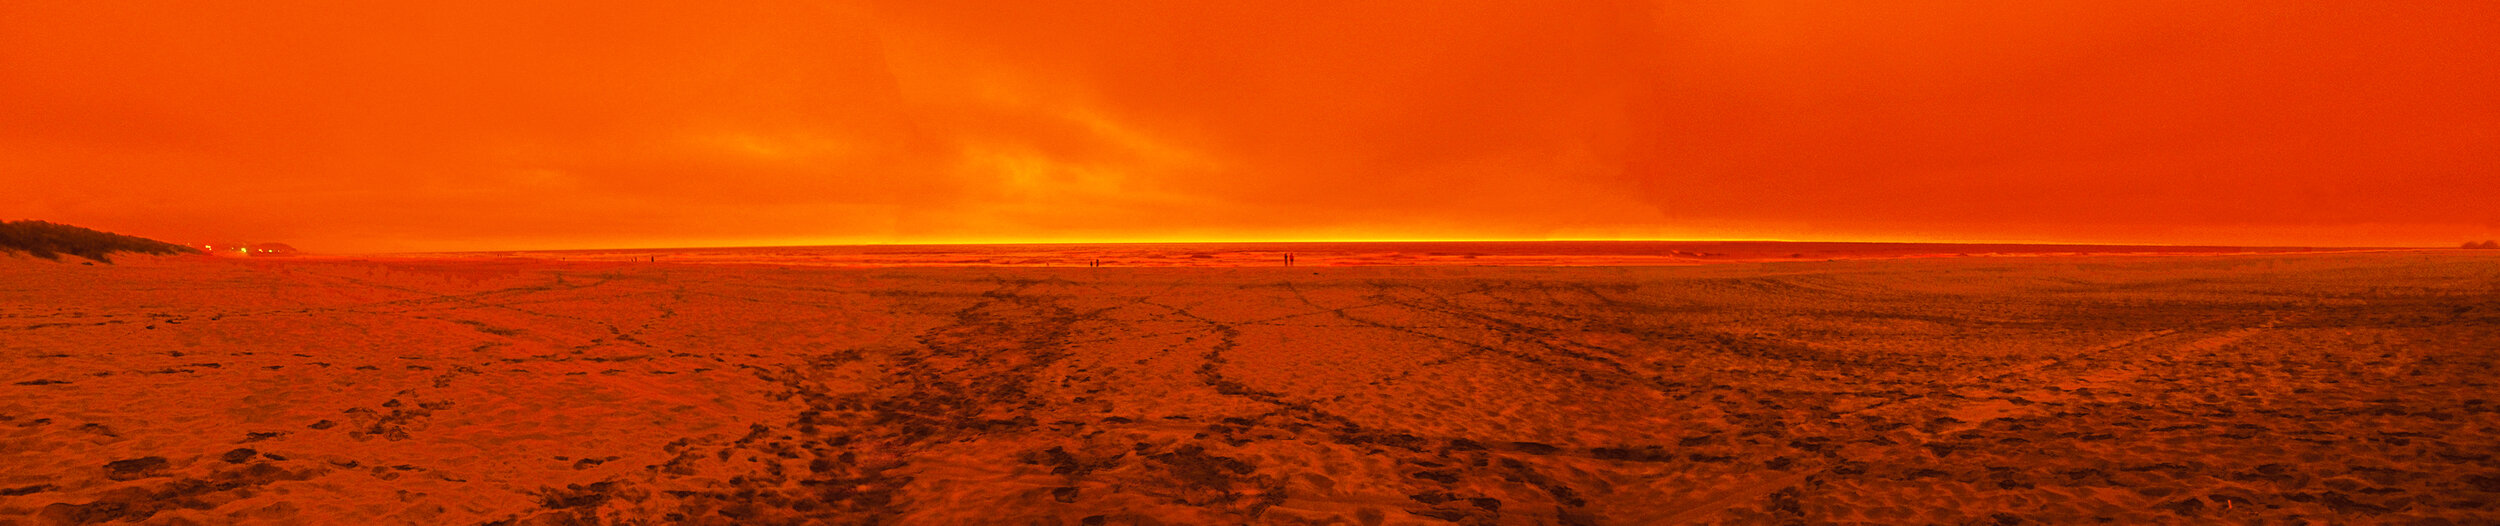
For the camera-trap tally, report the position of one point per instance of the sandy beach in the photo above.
(2273, 388)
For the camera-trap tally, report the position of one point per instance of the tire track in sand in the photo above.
(1971, 413)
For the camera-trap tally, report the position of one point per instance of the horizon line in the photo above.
(1349, 241)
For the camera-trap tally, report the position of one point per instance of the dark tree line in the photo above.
(2486, 244)
(50, 240)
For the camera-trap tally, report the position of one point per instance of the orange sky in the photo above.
(349, 126)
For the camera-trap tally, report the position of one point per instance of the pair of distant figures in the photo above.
(1098, 262)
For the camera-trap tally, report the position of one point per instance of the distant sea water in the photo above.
(1542, 253)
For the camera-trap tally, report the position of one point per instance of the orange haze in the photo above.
(355, 126)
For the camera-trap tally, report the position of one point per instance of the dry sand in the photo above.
(2339, 388)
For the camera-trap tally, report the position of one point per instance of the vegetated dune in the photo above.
(2339, 388)
(51, 240)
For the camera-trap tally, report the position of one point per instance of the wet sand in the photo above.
(2338, 388)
